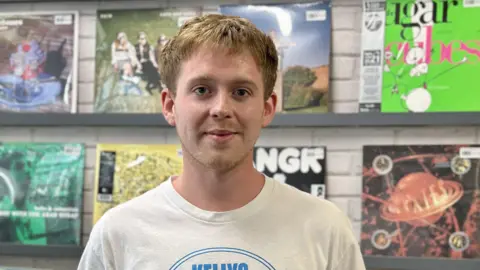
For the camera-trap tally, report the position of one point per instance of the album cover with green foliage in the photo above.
(302, 35)
(128, 42)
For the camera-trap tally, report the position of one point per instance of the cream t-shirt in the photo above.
(282, 228)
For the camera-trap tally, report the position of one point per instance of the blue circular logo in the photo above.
(221, 258)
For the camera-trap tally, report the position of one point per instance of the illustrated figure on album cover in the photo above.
(421, 201)
(37, 62)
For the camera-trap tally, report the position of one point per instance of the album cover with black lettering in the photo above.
(421, 201)
(302, 167)
(371, 56)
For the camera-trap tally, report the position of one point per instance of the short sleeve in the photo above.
(350, 257)
(97, 254)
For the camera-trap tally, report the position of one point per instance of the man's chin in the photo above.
(220, 163)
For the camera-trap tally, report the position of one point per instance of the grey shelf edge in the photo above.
(399, 263)
(41, 251)
(280, 120)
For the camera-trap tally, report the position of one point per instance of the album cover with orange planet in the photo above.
(421, 201)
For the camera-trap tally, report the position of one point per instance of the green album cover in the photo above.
(127, 79)
(432, 56)
(41, 193)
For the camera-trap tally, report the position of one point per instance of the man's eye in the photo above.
(200, 91)
(241, 92)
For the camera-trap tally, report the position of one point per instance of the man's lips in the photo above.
(221, 132)
(221, 136)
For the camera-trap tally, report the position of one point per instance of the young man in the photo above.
(220, 213)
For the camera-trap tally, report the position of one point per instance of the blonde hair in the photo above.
(219, 32)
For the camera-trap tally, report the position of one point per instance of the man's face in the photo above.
(219, 107)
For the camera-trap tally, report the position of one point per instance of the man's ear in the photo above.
(168, 106)
(269, 109)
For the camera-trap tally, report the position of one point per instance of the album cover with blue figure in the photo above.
(38, 62)
(302, 35)
(41, 193)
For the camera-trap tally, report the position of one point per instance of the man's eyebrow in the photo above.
(235, 81)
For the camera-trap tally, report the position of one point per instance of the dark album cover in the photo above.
(302, 167)
(421, 201)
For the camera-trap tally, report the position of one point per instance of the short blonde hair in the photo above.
(219, 32)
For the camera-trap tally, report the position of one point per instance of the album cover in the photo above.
(41, 193)
(302, 167)
(38, 61)
(302, 35)
(126, 171)
(127, 78)
(432, 57)
(371, 56)
(421, 201)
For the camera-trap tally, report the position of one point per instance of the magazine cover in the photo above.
(432, 57)
(41, 193)
(125, 171)
(38, 62)
(421, 201)
(302, 167)
(371, 56)
(302, 35)
(127, 79)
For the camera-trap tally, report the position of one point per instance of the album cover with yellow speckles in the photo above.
(421, 201)
(125, 171)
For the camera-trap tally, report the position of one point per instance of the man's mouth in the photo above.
(221, 135)
(221, 132)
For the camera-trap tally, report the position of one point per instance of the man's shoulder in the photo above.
(310, 207)
(133, 209)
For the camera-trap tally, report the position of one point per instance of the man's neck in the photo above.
(213, 191)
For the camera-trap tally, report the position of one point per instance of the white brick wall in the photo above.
(344, 145)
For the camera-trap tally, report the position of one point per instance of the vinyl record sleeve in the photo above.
(126, 171)
(432, 56)
(127, 79)
(302, 35)
(39, 61)
(41, 193)
(421, 201)
(302, 167)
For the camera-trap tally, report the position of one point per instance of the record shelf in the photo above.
(40, 251)
(372, 262)
(398, 263)
(280, 120)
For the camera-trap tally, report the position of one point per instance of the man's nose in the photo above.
(222, 106)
